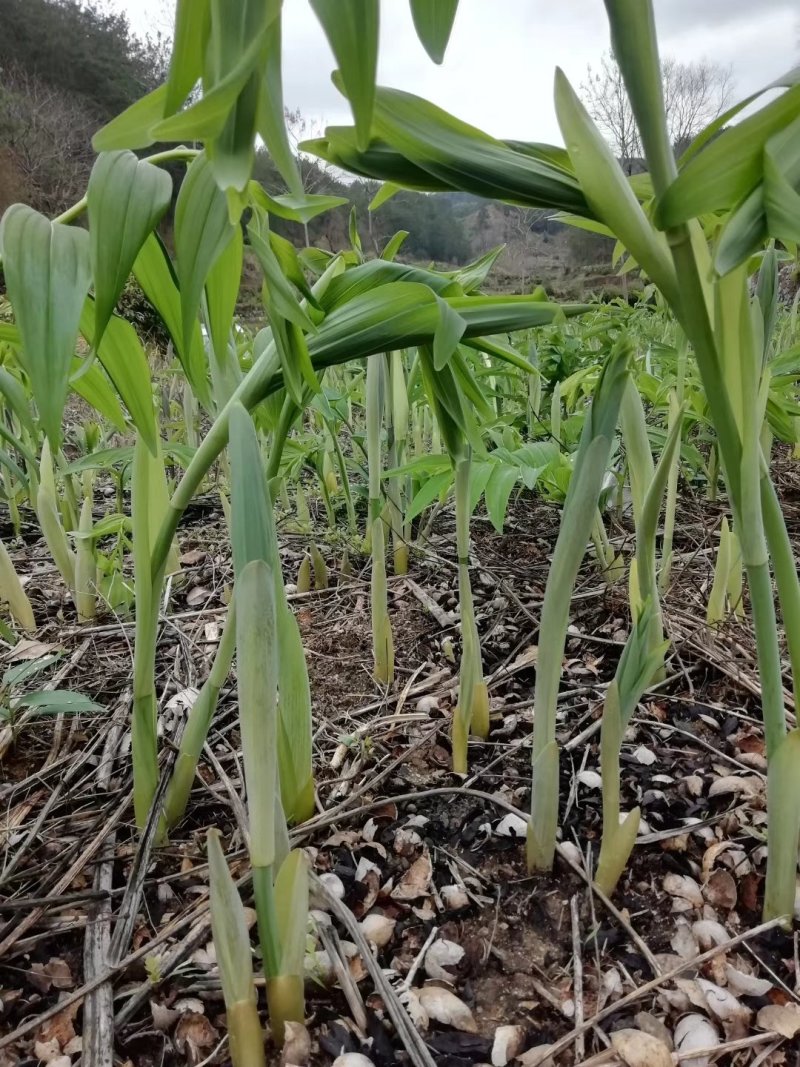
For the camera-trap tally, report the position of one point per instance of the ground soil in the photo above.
(541, 952)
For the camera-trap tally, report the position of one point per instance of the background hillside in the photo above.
(67, 67)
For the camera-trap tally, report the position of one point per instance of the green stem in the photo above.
(786, 578)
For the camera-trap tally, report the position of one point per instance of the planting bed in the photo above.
(493, 965)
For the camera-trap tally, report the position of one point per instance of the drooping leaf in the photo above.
(352, 27)
(126, 198)
(222, 290)
(93, 385)
(202, 232)
(192, 24)
(153, 271)
(729, 167)
(125, 362)
(607, 190)
(431, 489)
(17, 399)
(47, 273)
(133, 128)
(498, 490)
(300, 209)
(271, 118)
(433, 21)
(392, 246)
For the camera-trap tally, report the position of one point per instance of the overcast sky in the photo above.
(498, 71)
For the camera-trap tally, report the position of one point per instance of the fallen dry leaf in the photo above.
(708, 933)
(454, 897)
(378, 929)
(512, 825)
(59, 973)
(197, 595)
(639, 1049)
(416, 881)
(507, 1044)
(747, 985)
(442, 958)
(749, 786)
(683, 888)
(296, 1045)
(784, 1019)
(695, 1032)
(445, 1007)
(653, 1026)
(164, 1018)
(720, 890)
(59, 1027)
(730, 1011)
(30, 648)
(195, 1036)
(538, 1056)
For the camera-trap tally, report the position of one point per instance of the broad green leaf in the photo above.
(291, 906)
(498, 490)
(125, 362)
(781, 203)
(57, 701)
(47, 274)
(432, 489)
(202, 232)
(93, 385)
(133, 128)
(785, 81)
(222, 290)
(300, 209)
(449, 332)
(102, 459)
(256, 668)
(433, 21)
(271, 118)
(729, 167)
(22, 671)
(192, 24)
(16, 443)
(154, 273)
(232, 151)
(351, 27)
(288, 319)
(392, 246)
(126, 199)
(229, 929)
(234, 52)
(249, 514)
(472, 277)
(607, 190)
(8, 461)
(17, 399)
(479, 475)
(466, 158)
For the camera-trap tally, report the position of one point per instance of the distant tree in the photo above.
(694, 95)
(80, 50)
(46, 135)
